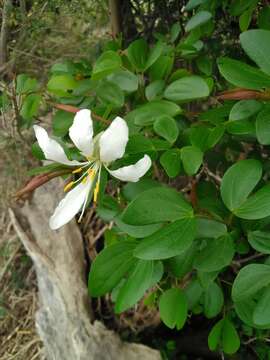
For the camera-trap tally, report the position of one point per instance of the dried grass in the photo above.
(18, 299)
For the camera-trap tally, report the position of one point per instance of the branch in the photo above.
(243, 94)
(73, 109)
(39, 180)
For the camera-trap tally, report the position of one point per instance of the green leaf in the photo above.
(238, 182)
(171, 162)
(243, 75)
(154, 90)
(137, 231)
(30, 106)
(108, 208)
(241, 127)
(208, 228)
(62, 85)
(193, 3)
(213, 300)
(214, 336)
(250, 280)
(37, 152)
(261, 314)
(205, 65)
(207, 278)
(225, 335)
(244, 109)
(175, 31)
(106, 64)
(217, 254)
(192, 158)
(187, 88)
(256, 206)
(157, 205)
(169, 241)
(193, 292)
(245, 19)
(61, 122)
(154, 53)
(126, 80)
(256, 45)
(138, 144)
(132, 190)
(260, 241)
(216, 115)
(230, 337)
(264, 18)
(181, 264)
(166, 127)
(148, 113)
(173, 308)
(137, 54)
(244, 309)
(136, 285)
(110, 266)
(162, 68)
(205, 138)
(110, 94)
(263, 127)
(237, 7)
(25, 84)
(198, 19)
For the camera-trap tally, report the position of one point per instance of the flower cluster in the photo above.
(99, 151)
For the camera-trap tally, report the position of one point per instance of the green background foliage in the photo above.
(195, 232)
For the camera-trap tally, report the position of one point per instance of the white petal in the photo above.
(81, 132)
(133, 172)
(113, 141)
(51, 149)
(70, 205)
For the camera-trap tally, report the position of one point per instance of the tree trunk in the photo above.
(64, 316)
(4, 31)
(115, 17)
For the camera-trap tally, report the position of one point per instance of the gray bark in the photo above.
(4, 31)
(64, 319)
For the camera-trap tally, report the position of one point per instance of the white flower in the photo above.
(102, 150)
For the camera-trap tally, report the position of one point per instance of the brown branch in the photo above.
(243, 94)
(39, 180)
(73, 109)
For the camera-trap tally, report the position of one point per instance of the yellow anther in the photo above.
(84, 180)
(77, 170)
(68, 186)
(91, 173)
(96, 191)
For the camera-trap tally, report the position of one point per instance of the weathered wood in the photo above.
(64, 316)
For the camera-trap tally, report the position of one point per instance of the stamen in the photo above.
(96, 191)
(77, 170)
(84, 180)
(68, 186)
(91, 173)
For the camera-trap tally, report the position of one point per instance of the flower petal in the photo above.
(70, 205)
(81, 132)
(51, 149)
(133, 172)
(113, 141)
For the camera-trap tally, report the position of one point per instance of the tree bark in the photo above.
(64, 317)
(4, 32)
(115, 16)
